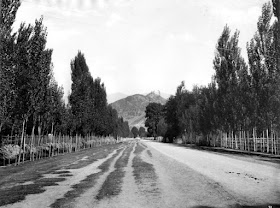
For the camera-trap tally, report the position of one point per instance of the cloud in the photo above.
(237, 12)
(121, 3)
(183, 37)
(102, 4)
(113, 19)
(67, 7)
(234, 15)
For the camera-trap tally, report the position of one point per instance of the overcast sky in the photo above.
(139, 46)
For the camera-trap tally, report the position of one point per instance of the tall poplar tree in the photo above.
(7, 56)
(40, 72)
(263, 55)
(79, 90)
(227, 64)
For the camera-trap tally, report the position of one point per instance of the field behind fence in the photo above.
(15, 150)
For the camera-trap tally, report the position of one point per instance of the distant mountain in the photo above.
(115, 96)
(132, 108)
(162, 94)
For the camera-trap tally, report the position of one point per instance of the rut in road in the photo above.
(113, 183)
(128, 196)
(140, 186)
(144, 174)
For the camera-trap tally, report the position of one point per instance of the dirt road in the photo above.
(143, 174)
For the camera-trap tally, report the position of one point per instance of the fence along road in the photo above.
(16, 150)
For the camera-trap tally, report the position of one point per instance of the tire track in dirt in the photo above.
(129, 196)
(113, 183)
(140, 185)
(145, 177)
(88, 198)
(146, 149)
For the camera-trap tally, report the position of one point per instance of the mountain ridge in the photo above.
(132, 108)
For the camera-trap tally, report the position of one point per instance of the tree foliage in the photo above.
(88, 102)
(240, 97)
(142, 132)
(154, 112)
(7, 59)
(135, 131)
(31, 101)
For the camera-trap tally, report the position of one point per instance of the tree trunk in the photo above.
(39, 139)
(1, 124)
(63, 144)
(32, 141)
(52, 128)
(12, 130)
(267, 141)
(21, 142)
(76, 143)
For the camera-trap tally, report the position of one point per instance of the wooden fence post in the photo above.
(76, 147)
(272, 142)
(254, 139)
(16, 143)
(235, 138)
(226, 140)
(54, 145)
(240, 134)
(276, 144)
(50, 146)
(244, 140)
(267, 141)
(22, 134)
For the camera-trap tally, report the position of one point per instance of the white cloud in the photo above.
(235, 16)
(184, 37)
(113, 19)
(121, 3)
(102, 4)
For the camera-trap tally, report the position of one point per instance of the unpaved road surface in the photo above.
(141, 173)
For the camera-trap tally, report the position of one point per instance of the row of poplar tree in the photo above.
(240, 97)
(30, 99)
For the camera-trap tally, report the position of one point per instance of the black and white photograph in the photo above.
(140, 103)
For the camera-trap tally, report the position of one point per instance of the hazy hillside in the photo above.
(132, 108)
